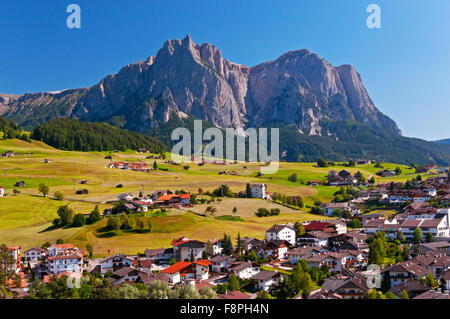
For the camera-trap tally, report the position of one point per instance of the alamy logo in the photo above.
(374, 277)
(74, 19)
(235, 145)
(374, 19)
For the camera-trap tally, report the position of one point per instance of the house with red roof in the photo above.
(186, 270)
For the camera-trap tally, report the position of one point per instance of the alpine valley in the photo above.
(321, 110)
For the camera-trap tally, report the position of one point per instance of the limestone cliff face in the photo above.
(185, 78)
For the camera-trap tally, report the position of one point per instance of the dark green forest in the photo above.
(73, 135)
(9, 130)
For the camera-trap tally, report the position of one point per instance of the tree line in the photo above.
(73, 135)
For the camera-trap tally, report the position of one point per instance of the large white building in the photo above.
(281, 232)
(63, 258)
(2, 191)
(259, 191)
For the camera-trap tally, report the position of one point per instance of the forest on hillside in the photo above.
(9, 130)
(73, 135)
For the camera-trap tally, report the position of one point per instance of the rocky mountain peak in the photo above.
(299, 88)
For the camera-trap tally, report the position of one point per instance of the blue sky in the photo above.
(405, 65)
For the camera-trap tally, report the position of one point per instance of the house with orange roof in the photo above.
(184, 271)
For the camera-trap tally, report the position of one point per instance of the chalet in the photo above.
(125, 275)
(264, 279)
(329, 208)
(364, 162)
(162, 255)
(8, 154)
(437, 263)
(277, 249)
(404, 271)
(281, 232)
(249, 244)
(114, 263)
(344, 174)
(412, 287)
(313, 183)
(354, 287)
(368, 217)
(142, 150)
(419, 208)
(314, 238)
(2, 191)
(159, 193)
(185, 248)
(148, 278)
(82, 192)
(329, 226)
(349, 241)
(220, 263)
(243, 270)
(173, 200)
(302, 253)
(34, 254)
(182, 271)
(138, 167)
(334, 261)
(47, 160)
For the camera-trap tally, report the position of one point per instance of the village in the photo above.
(355, 254)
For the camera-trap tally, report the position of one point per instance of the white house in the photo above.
(114, 263)
(15, 253)
(182, 271)
(34, 254)
(281, 232)
(264, 280)
(2, 191)
(220, 263)
(243, 270)
(63, 258)
(259, 191)
(64, 263)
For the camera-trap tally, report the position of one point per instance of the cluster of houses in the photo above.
(162, 198)
(201, 264)
(138, 166)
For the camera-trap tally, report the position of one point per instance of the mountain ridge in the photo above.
(299, 87)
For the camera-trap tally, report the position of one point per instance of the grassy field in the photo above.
(25, 218)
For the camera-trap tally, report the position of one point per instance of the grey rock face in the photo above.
(185, 78)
